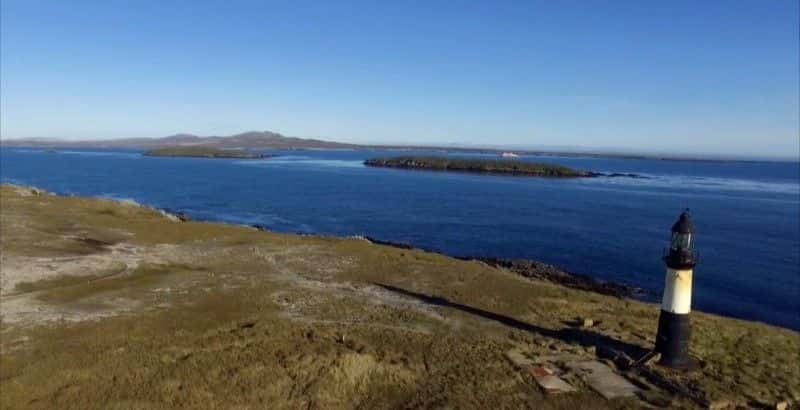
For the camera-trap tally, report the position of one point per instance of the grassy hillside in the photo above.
(113, 305)
(248, 140)
(489, 166)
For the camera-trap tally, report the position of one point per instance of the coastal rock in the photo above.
(177, 215)
(30, 191)
(359, 238)
(129, 202)
(543, 271)
(169, 216)
(388, 243)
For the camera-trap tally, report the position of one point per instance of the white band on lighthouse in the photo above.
(677, 292)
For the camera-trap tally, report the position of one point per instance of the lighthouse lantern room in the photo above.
(674, 327)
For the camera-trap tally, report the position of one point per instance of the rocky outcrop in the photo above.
(542, 271)
(536, 270)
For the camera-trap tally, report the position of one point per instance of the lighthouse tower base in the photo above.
(674, 327)
(672, 340)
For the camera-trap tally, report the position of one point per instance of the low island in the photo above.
(477, 165)
(204, 152)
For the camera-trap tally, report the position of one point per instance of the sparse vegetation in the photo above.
(488, 166)
(204, 315)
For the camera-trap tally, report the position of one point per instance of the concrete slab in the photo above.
(560, 358)
(603, 380)
(554, 385)
(549, 382)
(518, 359)
(540, 371)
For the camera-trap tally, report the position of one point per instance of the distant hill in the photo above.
(273, 140)
(247, 140)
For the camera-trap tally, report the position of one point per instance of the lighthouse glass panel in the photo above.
(681, 240)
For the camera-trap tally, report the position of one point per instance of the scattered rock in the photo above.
(782, 405)
(587, 322)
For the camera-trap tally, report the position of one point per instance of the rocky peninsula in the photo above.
(204, 152)
(491, 166)
(119, 305)
(484, 166)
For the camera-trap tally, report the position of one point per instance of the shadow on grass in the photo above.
(606, 346)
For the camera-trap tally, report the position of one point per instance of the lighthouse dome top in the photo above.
(684, 223)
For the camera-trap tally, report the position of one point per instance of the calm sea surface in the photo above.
(747, 213)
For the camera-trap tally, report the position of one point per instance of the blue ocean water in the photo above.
(747, 213)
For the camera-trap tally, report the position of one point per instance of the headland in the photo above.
(117, 304)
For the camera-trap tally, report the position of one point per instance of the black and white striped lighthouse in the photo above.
(674, 328)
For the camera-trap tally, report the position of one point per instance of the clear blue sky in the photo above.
(677, 76)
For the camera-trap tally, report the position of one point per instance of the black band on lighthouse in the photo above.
(672, 339)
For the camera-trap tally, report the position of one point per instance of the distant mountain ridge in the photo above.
(248, 140)
(274, 140)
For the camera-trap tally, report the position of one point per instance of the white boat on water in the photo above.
(509, 155)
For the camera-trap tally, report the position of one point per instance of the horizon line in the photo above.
(547, 149)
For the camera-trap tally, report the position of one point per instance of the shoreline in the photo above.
(108, 274)
(534, 269)
(525, 268)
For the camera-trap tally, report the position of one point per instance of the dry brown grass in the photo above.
(222, 316)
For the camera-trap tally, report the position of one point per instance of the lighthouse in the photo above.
(674, 328)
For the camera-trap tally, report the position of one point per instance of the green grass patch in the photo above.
(143, 277)
(62, 281)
